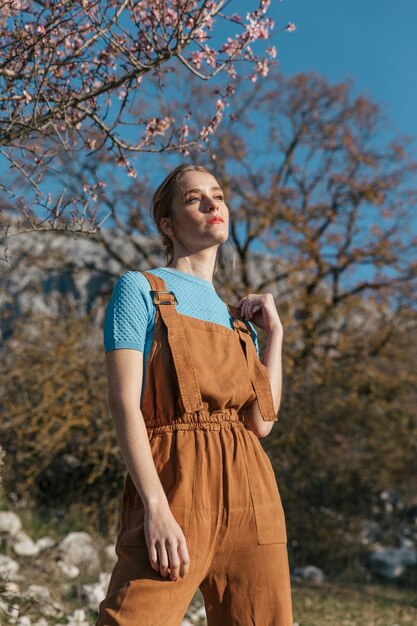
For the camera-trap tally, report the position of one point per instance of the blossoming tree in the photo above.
(70, 72)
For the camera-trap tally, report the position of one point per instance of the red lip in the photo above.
(215, 219)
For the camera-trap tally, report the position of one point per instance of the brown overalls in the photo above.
(219, 482)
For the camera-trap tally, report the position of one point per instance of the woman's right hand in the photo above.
(166, 542)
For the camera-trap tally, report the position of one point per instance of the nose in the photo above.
(213, 204)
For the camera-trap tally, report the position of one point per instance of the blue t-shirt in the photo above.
(130, 314)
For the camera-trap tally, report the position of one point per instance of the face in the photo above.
(198, 200)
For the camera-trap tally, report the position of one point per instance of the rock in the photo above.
(24, 620)
(23, 545)
(45, 542)
(309, 572)
(12, 610)
(94, 593)
(200, 613)
(78, 548)
(68, 569)
(39, 593)
(8, 566)
(10, 522)
(391, 563)
(391, 499)
(11, 587)
(407, 543)
(41, 622)
(110, 552)
(77, 618)
(370, 532)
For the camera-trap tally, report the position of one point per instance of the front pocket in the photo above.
(267, 505)
(174, 457)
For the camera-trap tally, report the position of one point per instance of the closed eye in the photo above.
(197, 198)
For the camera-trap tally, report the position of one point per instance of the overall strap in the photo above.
(165, 302)
(258, 372)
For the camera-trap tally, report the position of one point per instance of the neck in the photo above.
(194, 267)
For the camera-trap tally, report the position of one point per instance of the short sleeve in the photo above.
(254, 336)
(127, 314)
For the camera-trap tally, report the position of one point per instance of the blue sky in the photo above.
(372, 41)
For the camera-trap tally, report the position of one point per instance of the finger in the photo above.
(252, 308)
(153, 557)
(184, 558)
(243, 308)
(248, 309)
(174, 560)
(163, 560)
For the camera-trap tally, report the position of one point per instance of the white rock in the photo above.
(10, 522)
(407, 543)
(94, 593)
(77, 618)
(11, 587)
(68, 569)
(110, 552)
(200, 613)
(8, 566)
(24, 621)
(39, 592)
(392, 562)
(45, 542)
(308, 572)
(78, 548)
(41, 622)
(23, 545)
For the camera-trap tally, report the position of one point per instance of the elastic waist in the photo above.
(203, 420)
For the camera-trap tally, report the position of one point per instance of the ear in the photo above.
(165, 225)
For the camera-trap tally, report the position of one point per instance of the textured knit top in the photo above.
(130, 314)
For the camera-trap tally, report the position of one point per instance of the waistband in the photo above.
(199, 420)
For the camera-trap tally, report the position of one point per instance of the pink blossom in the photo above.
(121, 160)
(290, 27)
(262, 67)
(197, 58)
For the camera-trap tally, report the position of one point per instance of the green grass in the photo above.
(350, 604)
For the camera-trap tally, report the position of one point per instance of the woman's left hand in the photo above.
(261, 310)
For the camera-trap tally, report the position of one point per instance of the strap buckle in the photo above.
(156, 298)
(240, 325)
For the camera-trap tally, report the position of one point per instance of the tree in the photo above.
(71, 72)
(321, 211)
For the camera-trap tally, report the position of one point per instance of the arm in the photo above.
(261, 310)
(124, 370)
(163, 533)
(273, 361)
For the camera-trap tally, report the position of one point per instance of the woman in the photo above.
(200, 505)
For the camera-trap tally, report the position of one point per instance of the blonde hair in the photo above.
(162, 201)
